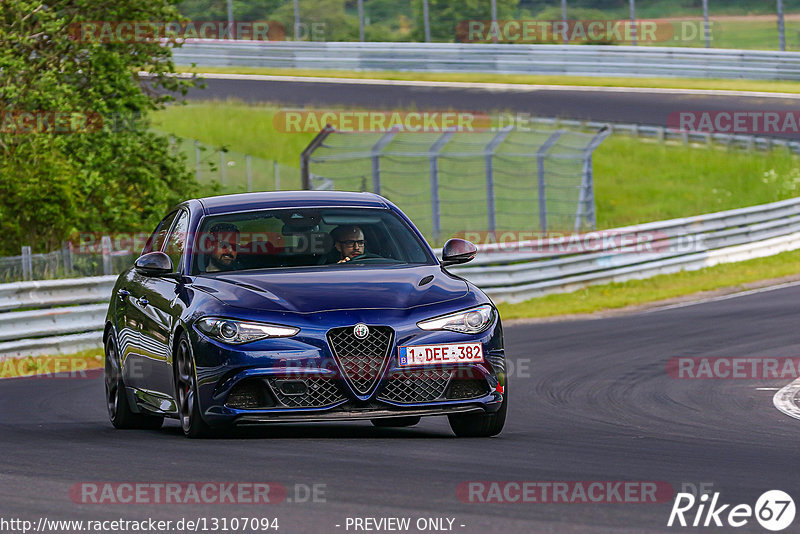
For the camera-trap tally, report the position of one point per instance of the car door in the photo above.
(163, 309)
(136, 314)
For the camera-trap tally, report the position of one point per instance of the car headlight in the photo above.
(472, 321)
(238, 332)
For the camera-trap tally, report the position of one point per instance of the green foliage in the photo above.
(332, 22)
(445, 16)
(112, 177)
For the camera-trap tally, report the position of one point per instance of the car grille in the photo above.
(250, 395)
(423, 385)
(310, 392)
(361, 361)
(467, 389)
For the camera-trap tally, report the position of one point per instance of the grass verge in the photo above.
(636, 292)
(53, 366)
(474, 77)
(636, 181)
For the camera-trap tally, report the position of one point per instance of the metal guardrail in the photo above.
(67, 315)
(583, 60)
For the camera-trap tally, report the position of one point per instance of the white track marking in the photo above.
(724, 297)
(784, 399)
(496, 87)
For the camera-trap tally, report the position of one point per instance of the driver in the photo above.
(224, 241)
(349, 241)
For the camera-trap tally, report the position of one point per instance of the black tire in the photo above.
(469, 425)
(396, 422)
(119, 409)
(192, 422)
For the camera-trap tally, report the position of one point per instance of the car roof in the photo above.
(290, 199)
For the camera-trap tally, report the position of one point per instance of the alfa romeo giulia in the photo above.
(295, 307)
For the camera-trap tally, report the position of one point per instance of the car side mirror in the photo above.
(457, 251)
(153, 264)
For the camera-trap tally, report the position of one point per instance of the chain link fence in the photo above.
(454, 182)
(222, 171)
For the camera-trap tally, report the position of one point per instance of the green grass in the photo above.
(640, 181)
(635, 181)
(619, 295)
(470, 77)
(49, 365)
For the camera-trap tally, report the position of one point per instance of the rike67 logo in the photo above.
(774, 510)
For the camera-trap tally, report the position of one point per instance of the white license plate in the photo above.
(413, 355)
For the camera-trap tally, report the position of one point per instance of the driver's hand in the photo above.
(344, 260)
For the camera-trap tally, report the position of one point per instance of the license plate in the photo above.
(414, 355)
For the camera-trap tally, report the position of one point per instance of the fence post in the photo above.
(66, 252)
(222, 166)
(197, 160)
(706, 24)
(361, 20)
(489, 155)
(377, 148)
(27, 264)
(305, 156)
(586, 194)
(426, 21)
(296, 20)
(276, 171)
(781, 27)
(433, 155)
(106, 246)
(540, 155)
(249, 164)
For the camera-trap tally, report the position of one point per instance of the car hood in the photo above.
(352, 287)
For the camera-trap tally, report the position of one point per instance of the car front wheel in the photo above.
(186, 392)
(480, 425)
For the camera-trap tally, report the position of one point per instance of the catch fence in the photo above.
(452, 182)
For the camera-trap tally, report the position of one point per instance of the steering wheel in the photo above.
(367, 257)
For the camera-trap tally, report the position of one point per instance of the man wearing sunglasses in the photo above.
(349, 241)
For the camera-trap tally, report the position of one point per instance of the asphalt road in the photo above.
(587, 103)
(596, 404)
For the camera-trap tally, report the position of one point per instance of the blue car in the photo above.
(296, 307)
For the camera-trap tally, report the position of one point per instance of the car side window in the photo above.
(156, 241)
(177, 240)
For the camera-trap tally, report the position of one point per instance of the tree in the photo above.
(446, 15)
(106, 172)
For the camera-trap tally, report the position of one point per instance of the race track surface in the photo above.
(596, 404)
(587, 103)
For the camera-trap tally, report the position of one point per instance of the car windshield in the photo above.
(295, 238)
